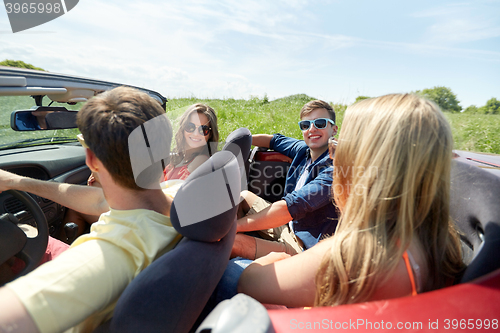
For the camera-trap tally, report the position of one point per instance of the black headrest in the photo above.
(239, 143)
(475, 208)
(208, 195)
(170, 294)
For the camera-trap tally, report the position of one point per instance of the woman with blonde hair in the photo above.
(394, 237)
(195, 141)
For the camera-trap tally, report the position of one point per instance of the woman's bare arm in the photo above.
(289, 282)
(274, 216)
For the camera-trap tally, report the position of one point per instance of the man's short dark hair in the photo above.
(317, 104)
(106, 122)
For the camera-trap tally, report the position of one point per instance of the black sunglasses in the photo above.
(319, 123)
(202, 129)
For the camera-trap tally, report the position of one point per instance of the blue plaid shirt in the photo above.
(311, 207)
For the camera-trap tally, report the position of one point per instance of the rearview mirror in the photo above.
(43, 118)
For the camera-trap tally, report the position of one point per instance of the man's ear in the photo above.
(335, 130)
(91, 160)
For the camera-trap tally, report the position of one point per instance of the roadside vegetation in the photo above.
(19, 64)
(258, 115)
(476, 132)
(475, 128)
(471, 131)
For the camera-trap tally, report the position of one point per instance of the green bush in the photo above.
(443, 97)
(471, 109)
(19, 64)
(492, 107)
(360, 98)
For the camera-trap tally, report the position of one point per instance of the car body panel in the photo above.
(463, 307)
(488, 162)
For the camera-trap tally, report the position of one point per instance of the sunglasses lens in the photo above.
(304, 125)
(320, 123)
(204, 130)
(190, 127)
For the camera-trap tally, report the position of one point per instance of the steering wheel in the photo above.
(15, 242)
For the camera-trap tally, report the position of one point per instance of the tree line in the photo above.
(448, 102)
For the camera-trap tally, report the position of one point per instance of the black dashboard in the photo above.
(64, 163)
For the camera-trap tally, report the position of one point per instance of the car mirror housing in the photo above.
(43, 118)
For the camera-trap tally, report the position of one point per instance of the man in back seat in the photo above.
(80, 287)
(305, 213)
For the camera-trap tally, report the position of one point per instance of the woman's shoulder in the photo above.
(400, 284)
(196, 162)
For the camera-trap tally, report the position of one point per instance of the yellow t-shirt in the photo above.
(81, 286)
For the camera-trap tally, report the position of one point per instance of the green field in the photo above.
(472, 132)
(12, 103)
(476, 132)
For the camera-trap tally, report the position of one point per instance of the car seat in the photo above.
(239, 142)
(475, 208)
(169, 295)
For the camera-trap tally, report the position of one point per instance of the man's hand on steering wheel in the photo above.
(15, 242)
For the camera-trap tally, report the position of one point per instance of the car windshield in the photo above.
(15, 139)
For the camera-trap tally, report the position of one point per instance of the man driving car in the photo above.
(79, 288)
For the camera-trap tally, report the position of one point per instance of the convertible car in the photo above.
(38, 139)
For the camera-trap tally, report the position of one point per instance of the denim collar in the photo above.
(322, 159)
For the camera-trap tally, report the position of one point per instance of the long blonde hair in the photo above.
(391, 182)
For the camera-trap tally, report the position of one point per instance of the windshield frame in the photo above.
(23, 89)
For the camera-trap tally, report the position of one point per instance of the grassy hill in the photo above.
(472, 132)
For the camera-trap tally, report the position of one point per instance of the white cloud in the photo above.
(458, 23)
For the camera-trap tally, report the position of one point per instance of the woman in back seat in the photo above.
(395, 237)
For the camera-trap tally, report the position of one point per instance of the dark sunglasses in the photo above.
(202, 129)
(319, 123)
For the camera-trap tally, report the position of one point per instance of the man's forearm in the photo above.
(273, 216)
(14, 317)
(85, 199)
(261, 140)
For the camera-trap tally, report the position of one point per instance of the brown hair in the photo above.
(317, 104)
(180, 141)
(106, 122)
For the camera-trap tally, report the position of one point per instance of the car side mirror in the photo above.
(43, 118)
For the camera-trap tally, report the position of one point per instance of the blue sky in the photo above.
(332, 50)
